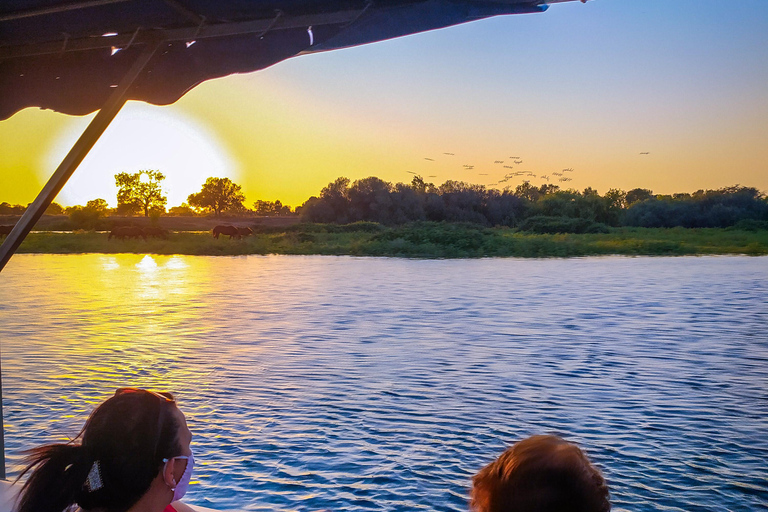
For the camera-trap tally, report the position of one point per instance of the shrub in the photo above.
(544, 224)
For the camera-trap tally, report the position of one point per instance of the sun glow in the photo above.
(142, 137)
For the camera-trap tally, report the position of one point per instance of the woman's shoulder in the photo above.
(178, 506)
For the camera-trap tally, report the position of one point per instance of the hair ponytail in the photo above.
(123, 443)
(58, 474)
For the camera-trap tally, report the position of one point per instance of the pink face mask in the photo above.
(183, 484)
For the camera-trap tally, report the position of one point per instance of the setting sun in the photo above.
(142, 137)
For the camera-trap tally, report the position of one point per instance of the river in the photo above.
(338, 383)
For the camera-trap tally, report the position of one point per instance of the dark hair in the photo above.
(126, 437)
(540, 474)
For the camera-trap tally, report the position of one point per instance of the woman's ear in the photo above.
(168, 476)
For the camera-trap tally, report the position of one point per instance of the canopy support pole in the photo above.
(59, 178)
(76, 155)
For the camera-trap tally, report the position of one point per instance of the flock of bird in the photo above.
(507, 164)
(510, 163)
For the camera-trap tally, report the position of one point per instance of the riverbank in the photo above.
(420, 240)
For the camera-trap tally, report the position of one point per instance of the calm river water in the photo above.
(351, 384)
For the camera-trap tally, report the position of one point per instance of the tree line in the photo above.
(546, 208)
(141, 193)
(543, 209)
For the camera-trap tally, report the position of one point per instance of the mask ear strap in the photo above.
(173, 477)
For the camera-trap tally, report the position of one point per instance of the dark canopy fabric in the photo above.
(68, 56)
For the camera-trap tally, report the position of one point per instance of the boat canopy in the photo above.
(70, 56)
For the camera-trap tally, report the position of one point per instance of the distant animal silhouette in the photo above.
(245, 231)
(156, 232)
(123, 232)
(232, 231)
(5, 230)
(645, 153)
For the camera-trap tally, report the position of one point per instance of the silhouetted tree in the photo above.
(9, 209)
(638, 194)
(183, 210)
(87, 217)
(218, 195)
(98, 205)
(271, 208)
(54, 209)
(335, 197)
(369, 199)
(140, 191)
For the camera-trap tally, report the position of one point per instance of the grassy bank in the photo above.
(421, 240)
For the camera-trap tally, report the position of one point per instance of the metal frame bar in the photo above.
(74, 6)
(182, 34)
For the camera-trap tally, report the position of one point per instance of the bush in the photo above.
(463, 236)
(84, 218)
(750, 225)
(544, 224)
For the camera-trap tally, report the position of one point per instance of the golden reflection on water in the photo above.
(134, 317)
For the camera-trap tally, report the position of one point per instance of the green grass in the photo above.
(419, 240)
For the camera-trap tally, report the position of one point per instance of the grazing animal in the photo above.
(245, 231)
(123, 232)
(232, 231)
(156, 232)
(5, 230)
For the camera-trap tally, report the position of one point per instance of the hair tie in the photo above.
(94, 482)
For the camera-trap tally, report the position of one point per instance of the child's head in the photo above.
(540, 474)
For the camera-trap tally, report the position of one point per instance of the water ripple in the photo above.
(325, 383)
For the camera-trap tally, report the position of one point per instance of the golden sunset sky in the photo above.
(583, 86)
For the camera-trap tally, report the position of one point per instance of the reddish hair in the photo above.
(542, 473)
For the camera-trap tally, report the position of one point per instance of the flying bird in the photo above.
(432, 176)
(645, 152)
(449, 154)
(410, 172)
(498, 161)
(568, 170)
(518, 162)
(430, 159)
(515, 157)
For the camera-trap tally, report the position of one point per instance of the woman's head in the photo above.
(120, 453)
(540, 474)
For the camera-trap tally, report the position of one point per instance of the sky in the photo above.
(588, 87)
